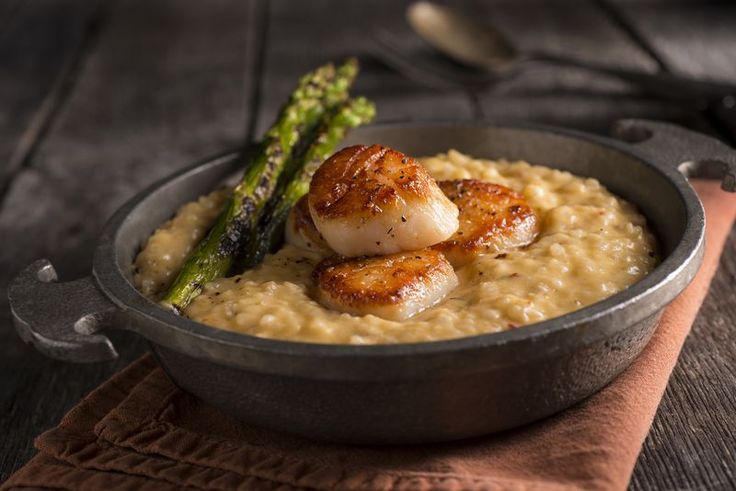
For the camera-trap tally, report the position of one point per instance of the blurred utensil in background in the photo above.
(475, 44)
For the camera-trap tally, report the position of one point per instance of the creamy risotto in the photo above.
(592, 244)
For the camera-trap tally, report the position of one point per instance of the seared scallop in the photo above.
(394, 287)
(375, 200)
(493, 219)
(300, 230)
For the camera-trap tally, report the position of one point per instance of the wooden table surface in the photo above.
(100, 98)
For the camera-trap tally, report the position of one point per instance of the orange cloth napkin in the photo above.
(139, 432)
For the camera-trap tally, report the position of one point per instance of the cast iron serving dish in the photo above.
(406, 393)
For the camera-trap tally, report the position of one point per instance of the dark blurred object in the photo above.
(485, 57)
(474, 43)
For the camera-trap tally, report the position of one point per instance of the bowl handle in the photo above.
(60, 319)
(692, 153)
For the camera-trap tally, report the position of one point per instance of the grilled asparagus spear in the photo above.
(215, 255)
(335, 125)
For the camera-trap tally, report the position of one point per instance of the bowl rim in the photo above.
(677, 268)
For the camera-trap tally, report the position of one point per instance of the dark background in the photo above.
(100, 98)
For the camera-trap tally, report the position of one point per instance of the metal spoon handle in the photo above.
(661, 84)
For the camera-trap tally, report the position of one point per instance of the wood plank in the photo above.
(41, 42)
(296, 46)
(692, 444)
(567, 28)
(692, 38)
(566, 96)
(169, 82)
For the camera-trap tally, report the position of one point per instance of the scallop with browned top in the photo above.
(373, 200)
(394, 287)
(493, 219)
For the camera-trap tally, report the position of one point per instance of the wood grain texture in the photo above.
(41, 43)
(682, 47)
(568, 96)
(167, 84)
(692, 38)
(294, 46)
(692, 443)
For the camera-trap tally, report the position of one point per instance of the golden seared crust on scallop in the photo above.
(366, 179)
(368, 200)
(300, 230)
(394, 287)
(493, 219)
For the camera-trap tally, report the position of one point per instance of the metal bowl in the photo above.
(405, 393)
